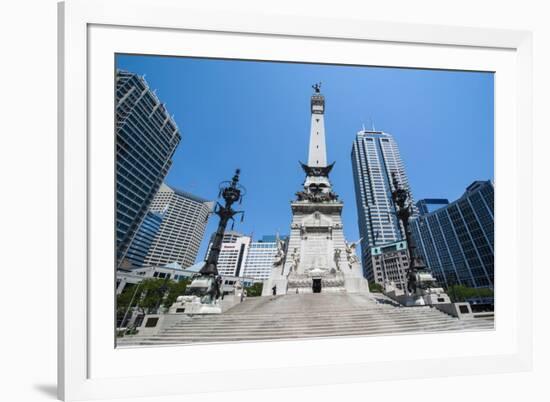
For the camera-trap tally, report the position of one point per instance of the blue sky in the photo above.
(255, 116)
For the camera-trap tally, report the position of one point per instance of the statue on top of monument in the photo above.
(317, 87)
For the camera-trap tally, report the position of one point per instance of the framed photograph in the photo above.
(335, 201)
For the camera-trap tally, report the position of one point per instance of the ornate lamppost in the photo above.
(402, 201)
(231, 192)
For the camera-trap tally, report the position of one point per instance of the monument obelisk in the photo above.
(318, 257)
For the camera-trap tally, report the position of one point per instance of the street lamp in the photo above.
(231, 192)
(130, 304)
(161, 292)
(402, 201)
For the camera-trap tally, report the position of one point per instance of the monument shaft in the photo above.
(318, 257)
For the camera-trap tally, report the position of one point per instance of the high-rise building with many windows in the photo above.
(180, 234)
(241, 256)
(229, 236)
(233, 256)
(457, 240)
(375, 159)
(428, 205)
(387, 264)
(260, 257)
(139, 247)
(146, 138)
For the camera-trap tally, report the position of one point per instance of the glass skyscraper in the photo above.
(139, 247)
(375, 158)
(146, 138)
(457, 240)
(428, 205)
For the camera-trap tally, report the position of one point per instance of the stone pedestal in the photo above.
(316, 281)
(433, 296)
(316, 259)
(422, 297)
(193, 305)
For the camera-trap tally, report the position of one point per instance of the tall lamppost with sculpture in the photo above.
(231, 192)
(204, 293)
(421, 285)
(403, 208)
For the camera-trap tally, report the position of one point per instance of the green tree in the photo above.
(375, 287)
(147, 296)
(254, 290)
(175, 289)
(153, 292)
(123, 300)
(459, 293)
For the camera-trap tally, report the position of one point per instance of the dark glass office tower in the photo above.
(457, 240)
(143, 239)
(146, 138)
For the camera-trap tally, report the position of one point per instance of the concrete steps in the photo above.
(307, 316)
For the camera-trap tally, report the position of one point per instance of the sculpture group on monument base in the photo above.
(279, 258)
(337, 253)
(294, 261)
(316, 196)
(351, 253)
(331, 280)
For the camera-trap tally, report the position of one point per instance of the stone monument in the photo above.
(318, 258)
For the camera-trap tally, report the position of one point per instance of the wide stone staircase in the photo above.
(307, 316)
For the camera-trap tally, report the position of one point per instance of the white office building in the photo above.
(233, 256)
(173, 272)
(180, 234)
(240, 256)
(229, 236)
(259, 261)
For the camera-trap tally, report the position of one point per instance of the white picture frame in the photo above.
(89, 31)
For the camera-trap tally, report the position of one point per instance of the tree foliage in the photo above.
(150, 294)
(254, 290)
(124, 299)
(375, 287)
(175, 289)
(459, 293)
